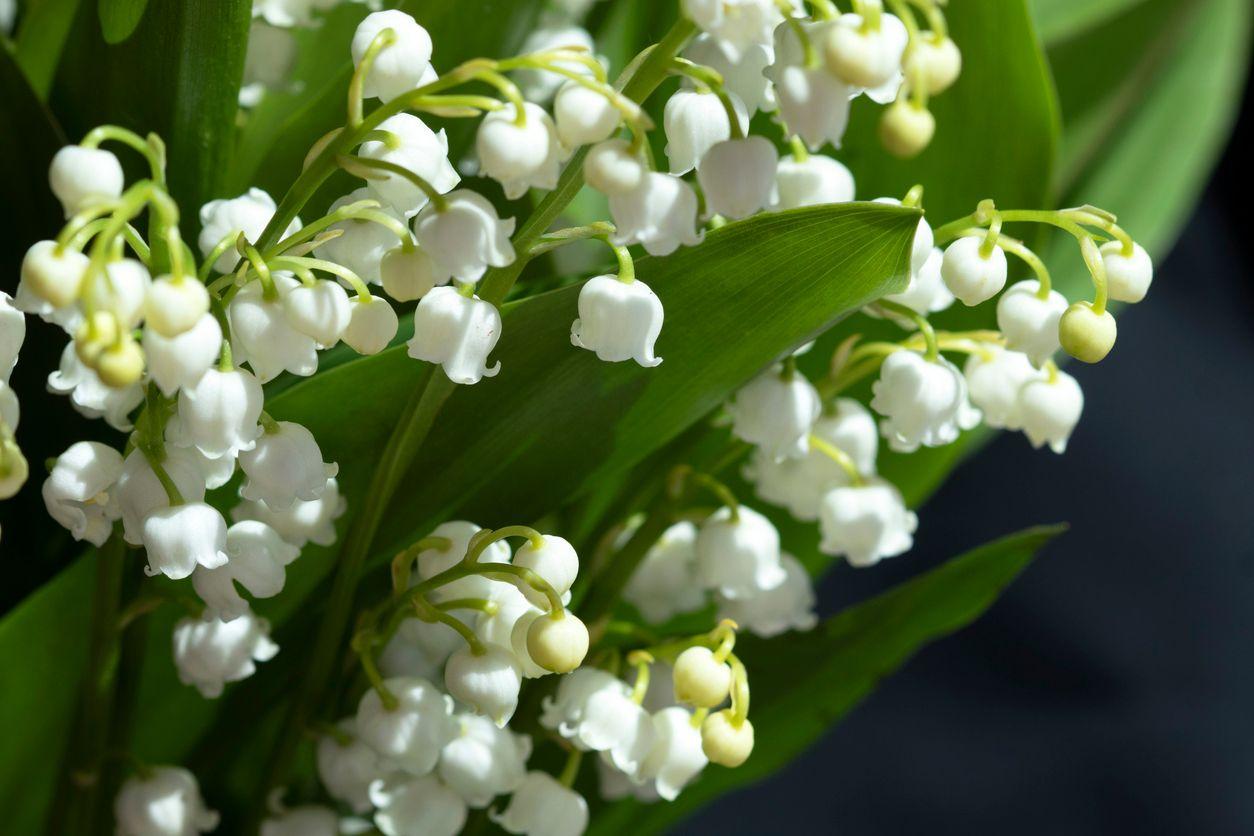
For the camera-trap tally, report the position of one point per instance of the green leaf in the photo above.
(1058, 20)
(27, 144)
(41, 36)
(118, 18)
(804, 683)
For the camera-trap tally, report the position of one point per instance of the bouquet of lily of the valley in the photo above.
(470, 392)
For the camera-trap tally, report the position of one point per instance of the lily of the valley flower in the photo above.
(865, 523)
(178, 362)
(738, 176)
(209, 653)
(660, 214)
(285, 465)
(1128, 277)
(1050, 407)
(320, 311)
(995, 376)
(248, 214)
(583, 116)
(665, 583)
(423, 806)
(258, 558)
(79, 492)
(612, 168)
(400, 66)
(971, 275)
(775, 411)
(519, 157)
(165, 801)
(347, 767)
(361, 244)
(174, 305)
(54, 277)
(483, 761)
(814, 181)
(90, 396)
(618, 320)
(84, 177)
(458, 332)
(414, 146)
(676, 757)
(372, 324)
(1030, 323)
(770, 612)
(263, 336)
(543, 807)
(695, 122)
(594, 711)
(813, 102)
(410, 736)
(303, 522)
(218, 414)
(466, 236)
(924, 402)
(181, 537)
(487, 681)
(738, 552)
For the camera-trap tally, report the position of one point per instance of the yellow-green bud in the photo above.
(725, 741)
(700, 679)
(557, 643)
(121, 364)
(906, 128)
(1085, 334)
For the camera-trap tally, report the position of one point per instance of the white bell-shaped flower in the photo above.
(79, 491)
(612, 168)
(695, 122)
(419, 648)
(1128, 277)
(923, 402)
(866, 523)
(85, 177)
(53, 277)
(175, 363)
(738, 552)
(665, 583)
(770, 612)
(209, 653)
(595, 712)
(432, 562)
(583, 116)
(258, 558)
(518, 643)
(303, 522)
(164, 801)
(927, 292)
(813, 102)
(738, 176)
(554, 560)
(372, 324)
(319, 310)
(306, 820)
(175, 304)
(660, 214)
(457, 332)
(1030, 323)
(10, 409)
(540, 85)
(400, 66)
(410, 736)
(936, 60)
(737, 24)
(741, 69)
(867, 59)
(676, 757)
(497, 627)
(121, 290)
(519, 157)
(361, 244)
(994, 377)
(483, 761)
(249, 213)
(139, 491)
(776, 411)
(1050, 407)
(218, 414)
(181, 537)
(262, 335)
(814, 181)
(618, 320)
(970, 275)
(614, 786)
(423, 806)
(90, 396)
(417, 148)
(488, 682)
(283, 466)
(466, 237)
(543, 807)
(12, 335)
(410, 275)
(347, 766)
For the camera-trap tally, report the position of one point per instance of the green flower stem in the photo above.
(710, 78)
(312, 229)
(1105, 221)
(561, 237)
(840, 457)
(1020, 250)
(739, 689)
(403, 563)
(154, 462)
(72, 233)
(432, 614)
(269, 291)
(363, 645)
(571, 770)
(480, 542)
(153, 152)
(366, 168)
(297, 263)
(925, 328)
(713, 485)
(356, 95)
(206, 268)
(935, 17)
(1097, 269)
(641, 659)
(823, 9)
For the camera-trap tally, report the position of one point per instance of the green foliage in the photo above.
(118, 18)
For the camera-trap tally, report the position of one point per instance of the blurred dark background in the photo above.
(1112, 689)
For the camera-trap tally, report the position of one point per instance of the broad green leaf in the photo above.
(1057, 20)
(118, 18)
(804, 683)
(41, 38)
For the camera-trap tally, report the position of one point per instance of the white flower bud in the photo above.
(175, 304)
(218, 414)
(994, 377)
(54, 277)
(738, 553)
(120, 364)
(209, 653)
(1030, 323)
(518, 643)
(307, 820)
(583, 116)
(543, 807)
(738, 176)
(724, 741)
(90, 395)
(1128, 277)
(263, 337)
(466, 237)
(79, 492)
(595, 711)
(970, 275)
(695, 122)
(410, 275)
(1050, 407)
(1085, 334)
(417, 148)
(410, 736)
(347, 769)
(906, 128)
(676, 757)
(519, 157)
(84, 177)
(776, 412)
(866, 523)
(701, 680)
(139, 491)
(660, 214)
(923, 402)
(612, 168)
(770, 612)
(813, 102)
(862, 58)
(284, 466)
(926, 292)
(248, 213)
(665, 582)
(165, 801)
(258, 558)
(320, 311)
(488, 682)
(372, 325)
(554, 560)
(416, 807)
(179, 362)
(742, 73)
(737, 24)
(400, 66)
(483, 761)
(362, 244)
(557, 644)
(813, 181)
(458, 333)
(618, 320)
(936, 60)
(121, 291)
(181, 537)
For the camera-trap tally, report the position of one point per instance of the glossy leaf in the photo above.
(118, 18)
(40, 39)
(804, 683)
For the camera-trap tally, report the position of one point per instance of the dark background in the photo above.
(1112, 689)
